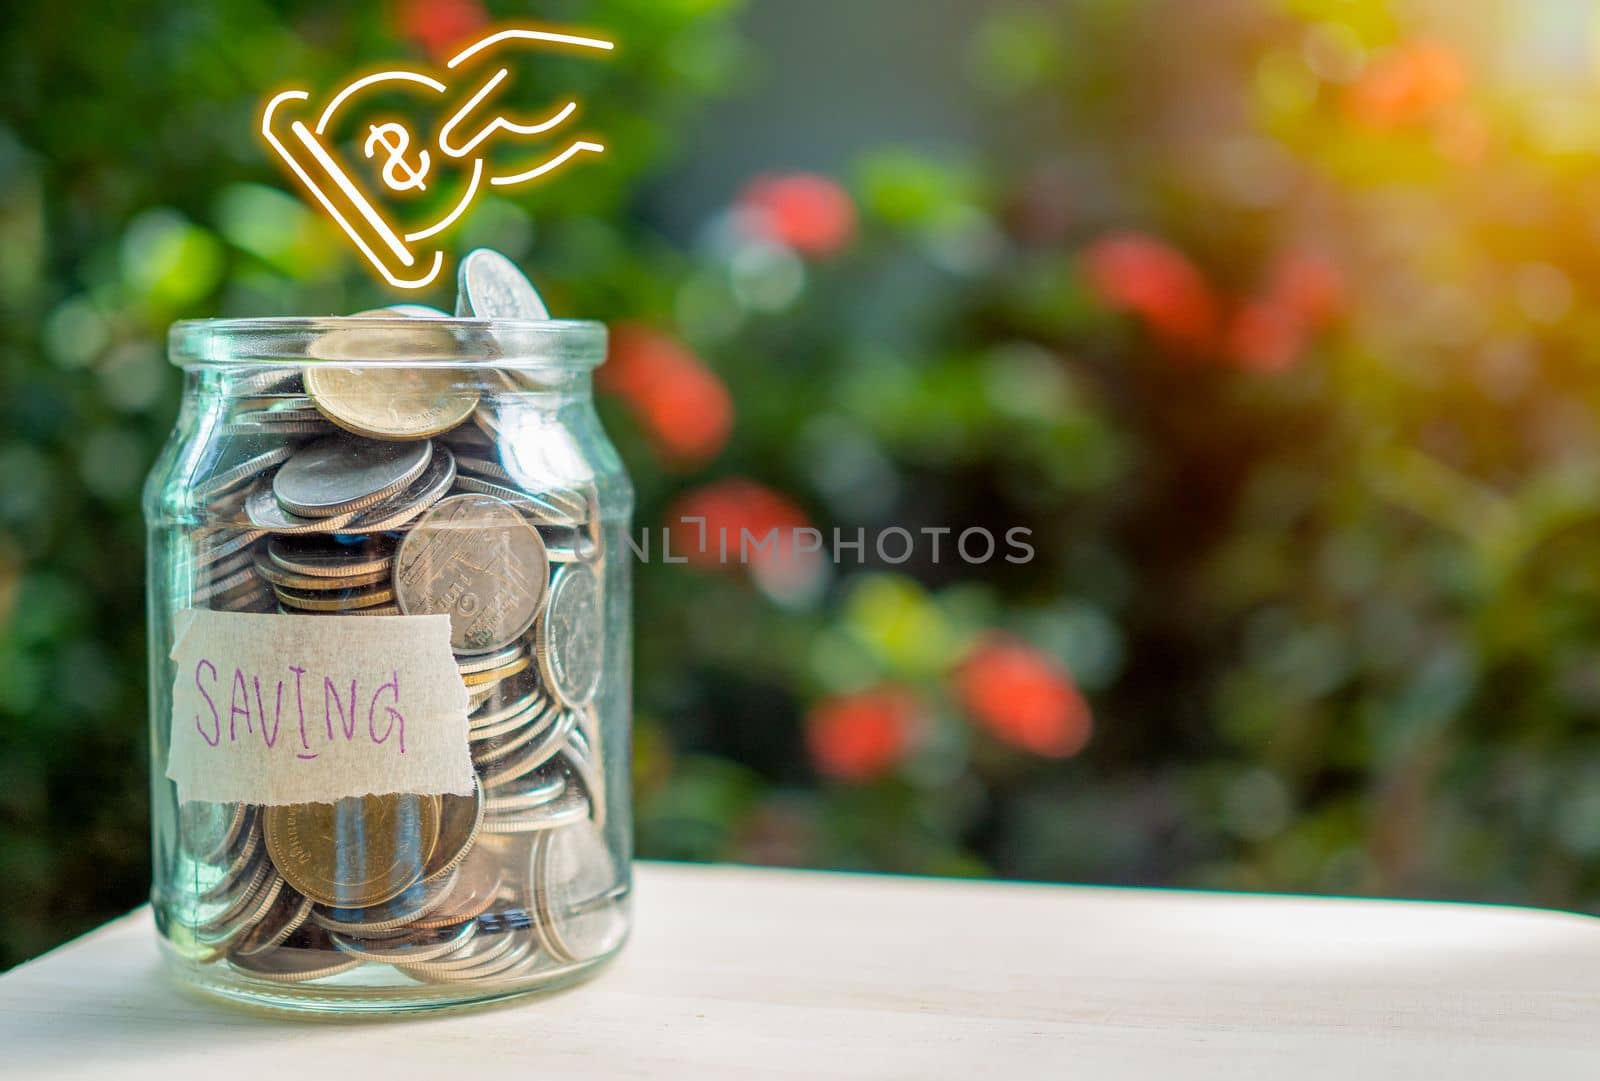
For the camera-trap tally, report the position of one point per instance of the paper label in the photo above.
(276, 709)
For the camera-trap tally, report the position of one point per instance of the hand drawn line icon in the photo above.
(451, 167)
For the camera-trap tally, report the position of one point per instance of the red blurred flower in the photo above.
(680, 402)
(1024, 698)
(728, 506)
(1153, 280)
(1408, 84)
(856, 737)
(440, 26)
(809, 213)
(1264, 337)
(1309, 288)
(738, 522)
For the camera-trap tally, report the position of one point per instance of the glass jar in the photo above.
(389, 663)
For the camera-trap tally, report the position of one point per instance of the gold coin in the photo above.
(333, 601)
(272, 572)
(391, 403)
(385, 402)
(355, 853)
(495, 675)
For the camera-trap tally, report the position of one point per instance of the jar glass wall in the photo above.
(339, 486)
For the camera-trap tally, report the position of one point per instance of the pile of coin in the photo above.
(381, 490)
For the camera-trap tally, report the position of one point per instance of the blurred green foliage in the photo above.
(1329, 591)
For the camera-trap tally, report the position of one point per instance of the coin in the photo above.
(535, 754)
(480, 950)
(416, 900)
(213, 545)
(235, 477)
(240, 899)
(540, 789)
(337, 600)
(214, 587)
(270, 571)
(266, 381)
(408, 949)
(357, 852)
(402, 507)
(243, 861)
(486, 661)
(339, 474)
(473, 558)
(473, 891)
(287, 915)
(570, 639)
(288, 964)
(499, 749)
(541, 510)
(489, 286)
(392, 403)
(262, 509)
(495, 675)
(573, 876)
(207, 831)
(459, 820)
(325, 557)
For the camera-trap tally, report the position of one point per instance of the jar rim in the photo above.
(387, 341)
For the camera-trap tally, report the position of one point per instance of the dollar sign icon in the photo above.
(398, 173)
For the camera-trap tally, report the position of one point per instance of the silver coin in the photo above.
(489, 286)
(292, 964)
(212, 545)
(217, 586)
(337, 474)
(524, 948)
(240, 899)
(231, 564)
(473, 558)
(243, 863)
(222, 933)
(569, 807)
(487, 661)
(538, 508)
(536, 754)
(266, 381)
(278, 414)
(418, 899)
(235, 477)
(264, 511)
(483, 467)
(208, 831)
(523, 696)
(574, 887)
(324, 557)
(539, 712)
(257, 598)
(287, 429)
(408, 949)
(487, 750)
(585, 765)
(480, 950)
(541, 789)
(570, 641)
(460, 818)
(272, 573)
(286, 916)
(401, 508)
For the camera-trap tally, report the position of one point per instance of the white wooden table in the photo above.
(738, 973)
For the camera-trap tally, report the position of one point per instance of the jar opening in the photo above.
(387, 341)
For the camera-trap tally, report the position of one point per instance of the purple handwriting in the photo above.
(256, 708)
